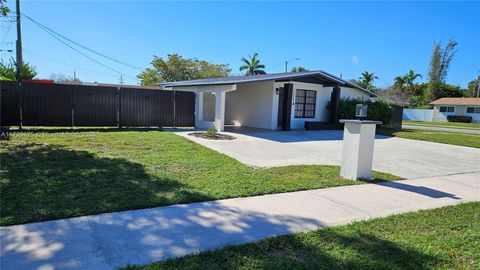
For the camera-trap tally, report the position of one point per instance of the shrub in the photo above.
(459, 118)
(212, 133)
(378, 110)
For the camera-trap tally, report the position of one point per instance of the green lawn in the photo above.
(443, 124)
(444, 238)
(57, 174)
(470, 140)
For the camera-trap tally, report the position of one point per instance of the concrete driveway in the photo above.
(402, 157)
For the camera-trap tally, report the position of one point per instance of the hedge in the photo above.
(378, 110)
(459, 118)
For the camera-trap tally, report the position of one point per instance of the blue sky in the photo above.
(338, 37)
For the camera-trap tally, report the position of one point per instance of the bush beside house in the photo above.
(459, 118)
(378, 110)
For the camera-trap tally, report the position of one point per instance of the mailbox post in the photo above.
(358, 143)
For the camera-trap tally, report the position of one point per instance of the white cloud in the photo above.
(355, 59)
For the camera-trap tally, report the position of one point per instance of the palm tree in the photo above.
(8, 71)
(410, 77)
(252, 65)
(366, 80)
(399, 82)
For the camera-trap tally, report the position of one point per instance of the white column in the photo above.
(198, 108)
(357, 152)
(219, 110)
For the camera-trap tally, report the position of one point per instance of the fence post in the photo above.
(174, 108)
(18, 85)
(119, 107)
(72, 104)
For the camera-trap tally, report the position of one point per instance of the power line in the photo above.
(80, 52)
(70, 65)
(82, 46)
(44, 41)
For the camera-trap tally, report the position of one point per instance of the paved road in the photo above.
(138, 237)
(443, 129)
(403, 157)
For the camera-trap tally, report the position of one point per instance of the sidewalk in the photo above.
(138, 237)
(442, 128)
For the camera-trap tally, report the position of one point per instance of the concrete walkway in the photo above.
(442, 129)
(138, 237)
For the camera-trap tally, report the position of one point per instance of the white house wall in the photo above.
(322, 113)
(322, 100)
(459, 110)
(251, 105)
(256, 104)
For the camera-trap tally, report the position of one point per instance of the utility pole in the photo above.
(286, 63)
(121, 78)
(19, 43)
(74, 74)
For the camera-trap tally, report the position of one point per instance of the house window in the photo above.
(473, 109)
(447, 109)
(305, 102)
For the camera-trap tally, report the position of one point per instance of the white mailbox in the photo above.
(357, 152)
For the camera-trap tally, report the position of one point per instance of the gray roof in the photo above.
(307, 76)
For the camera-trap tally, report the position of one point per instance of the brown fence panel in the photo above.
(47, 104)
(140, 107)
(95, 106)
(10, 103)
(184, 109)
(38, 104)
(397, 116)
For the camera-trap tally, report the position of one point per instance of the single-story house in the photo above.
(456, 106)
(271, 101)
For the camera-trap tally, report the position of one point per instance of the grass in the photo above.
(470, 140)
(443, 238)
(443, 124)
(58, 174)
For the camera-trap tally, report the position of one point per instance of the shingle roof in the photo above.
(267, 77)
(457, 101)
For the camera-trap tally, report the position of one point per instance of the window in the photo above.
(305, 102)
(447, 109)
(473, 109)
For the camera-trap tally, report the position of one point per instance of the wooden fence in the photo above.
(39, 104)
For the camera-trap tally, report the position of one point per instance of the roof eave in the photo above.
(291, 76)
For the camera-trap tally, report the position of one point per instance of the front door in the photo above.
(280, 107)
(285, 106)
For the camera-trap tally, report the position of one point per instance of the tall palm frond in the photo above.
(252, 65)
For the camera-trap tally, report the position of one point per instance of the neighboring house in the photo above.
(271, 101)
(456, 106)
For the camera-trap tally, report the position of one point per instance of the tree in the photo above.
(299, 69)
(411, 76)
(399, 83)
(8, 71)
(60, 78)
(4, 10)
(474, 88)
(448, 90)
(439, 65)
(406, 83)
(252, 65)
(177, 68)
(366, 80)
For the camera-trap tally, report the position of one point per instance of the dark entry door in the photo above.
(280, 106)
(285, 106)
